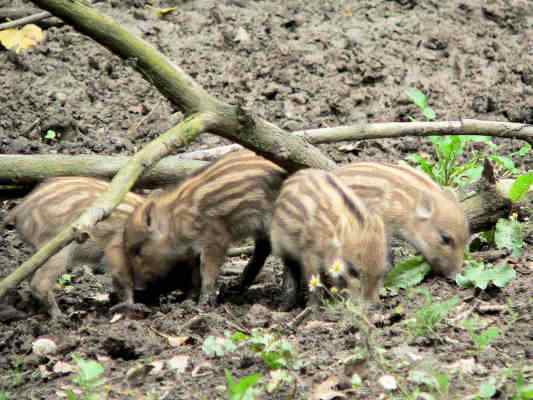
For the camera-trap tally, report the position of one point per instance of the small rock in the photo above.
(388, 382)
(242, 36)
(178, 363)
(43, 347)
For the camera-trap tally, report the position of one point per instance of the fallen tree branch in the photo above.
(25, 20)
(122, 183)
(289, 151)
(27, 170)
(367, 131)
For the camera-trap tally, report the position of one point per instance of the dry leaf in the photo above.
(177, 341)
(115, 318)
(21, 39)
(101, 297)
(326, 391)
(158, 367)
(61, 367)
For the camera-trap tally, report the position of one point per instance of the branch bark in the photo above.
(27, 170)
(367, 131)
(178, 136)
(289, 151)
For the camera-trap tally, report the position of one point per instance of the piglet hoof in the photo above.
(208, 299)
(131, 310)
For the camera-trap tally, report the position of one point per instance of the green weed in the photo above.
(448, 169)
(479, 274)
(430, 315)
(89, 379)
(485, 337)
(244, 388)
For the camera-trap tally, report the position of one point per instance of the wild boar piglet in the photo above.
(324, 233)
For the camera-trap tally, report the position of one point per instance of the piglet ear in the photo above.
(424, 207)
(148, 214)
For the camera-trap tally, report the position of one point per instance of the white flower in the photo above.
(336, 269)
(314, 282)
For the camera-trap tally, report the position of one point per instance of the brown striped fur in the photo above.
(317, 222)
(230, 200)
(415, 207)
(52, 205)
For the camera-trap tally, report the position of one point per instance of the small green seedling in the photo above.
(436, 382)
(407, 273)
(4, 396)
(482, 339)
(488, 389)
(65, 280)
(89, 380)
(480, 275)
(430, 315)
(508, 235)
(244, 388)
(217, 347)
(276, 353)
(50, 135)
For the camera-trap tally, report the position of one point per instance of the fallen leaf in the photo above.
(466, 366)
(177, 341)
(201, 369)
(326, 390)
(178, 363)
(158, 367)
(21, 39)
(115, 318)
(101, 297)
(44, 371)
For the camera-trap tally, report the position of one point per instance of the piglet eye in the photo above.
(446, 239)
(136, 251)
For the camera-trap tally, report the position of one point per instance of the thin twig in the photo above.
(237, 326)
(300, 318)
(26, 20)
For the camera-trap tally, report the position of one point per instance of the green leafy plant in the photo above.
(4, 396)
(430, 315)
(508, 235)
(487, 389)
(485, 337)
(449, 169)
(480, 275)
(65, 280)
(50, 135)
(520, 187)
(437, 382)
(275, 352)
(244, 388)
(407, 273)
(217, 347)
(89, 379)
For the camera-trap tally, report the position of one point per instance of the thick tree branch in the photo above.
(27, 170)
(178, 136)
(290, 151)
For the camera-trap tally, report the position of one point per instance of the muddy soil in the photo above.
(299, 64)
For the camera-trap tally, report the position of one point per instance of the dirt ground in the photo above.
(299, 64)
